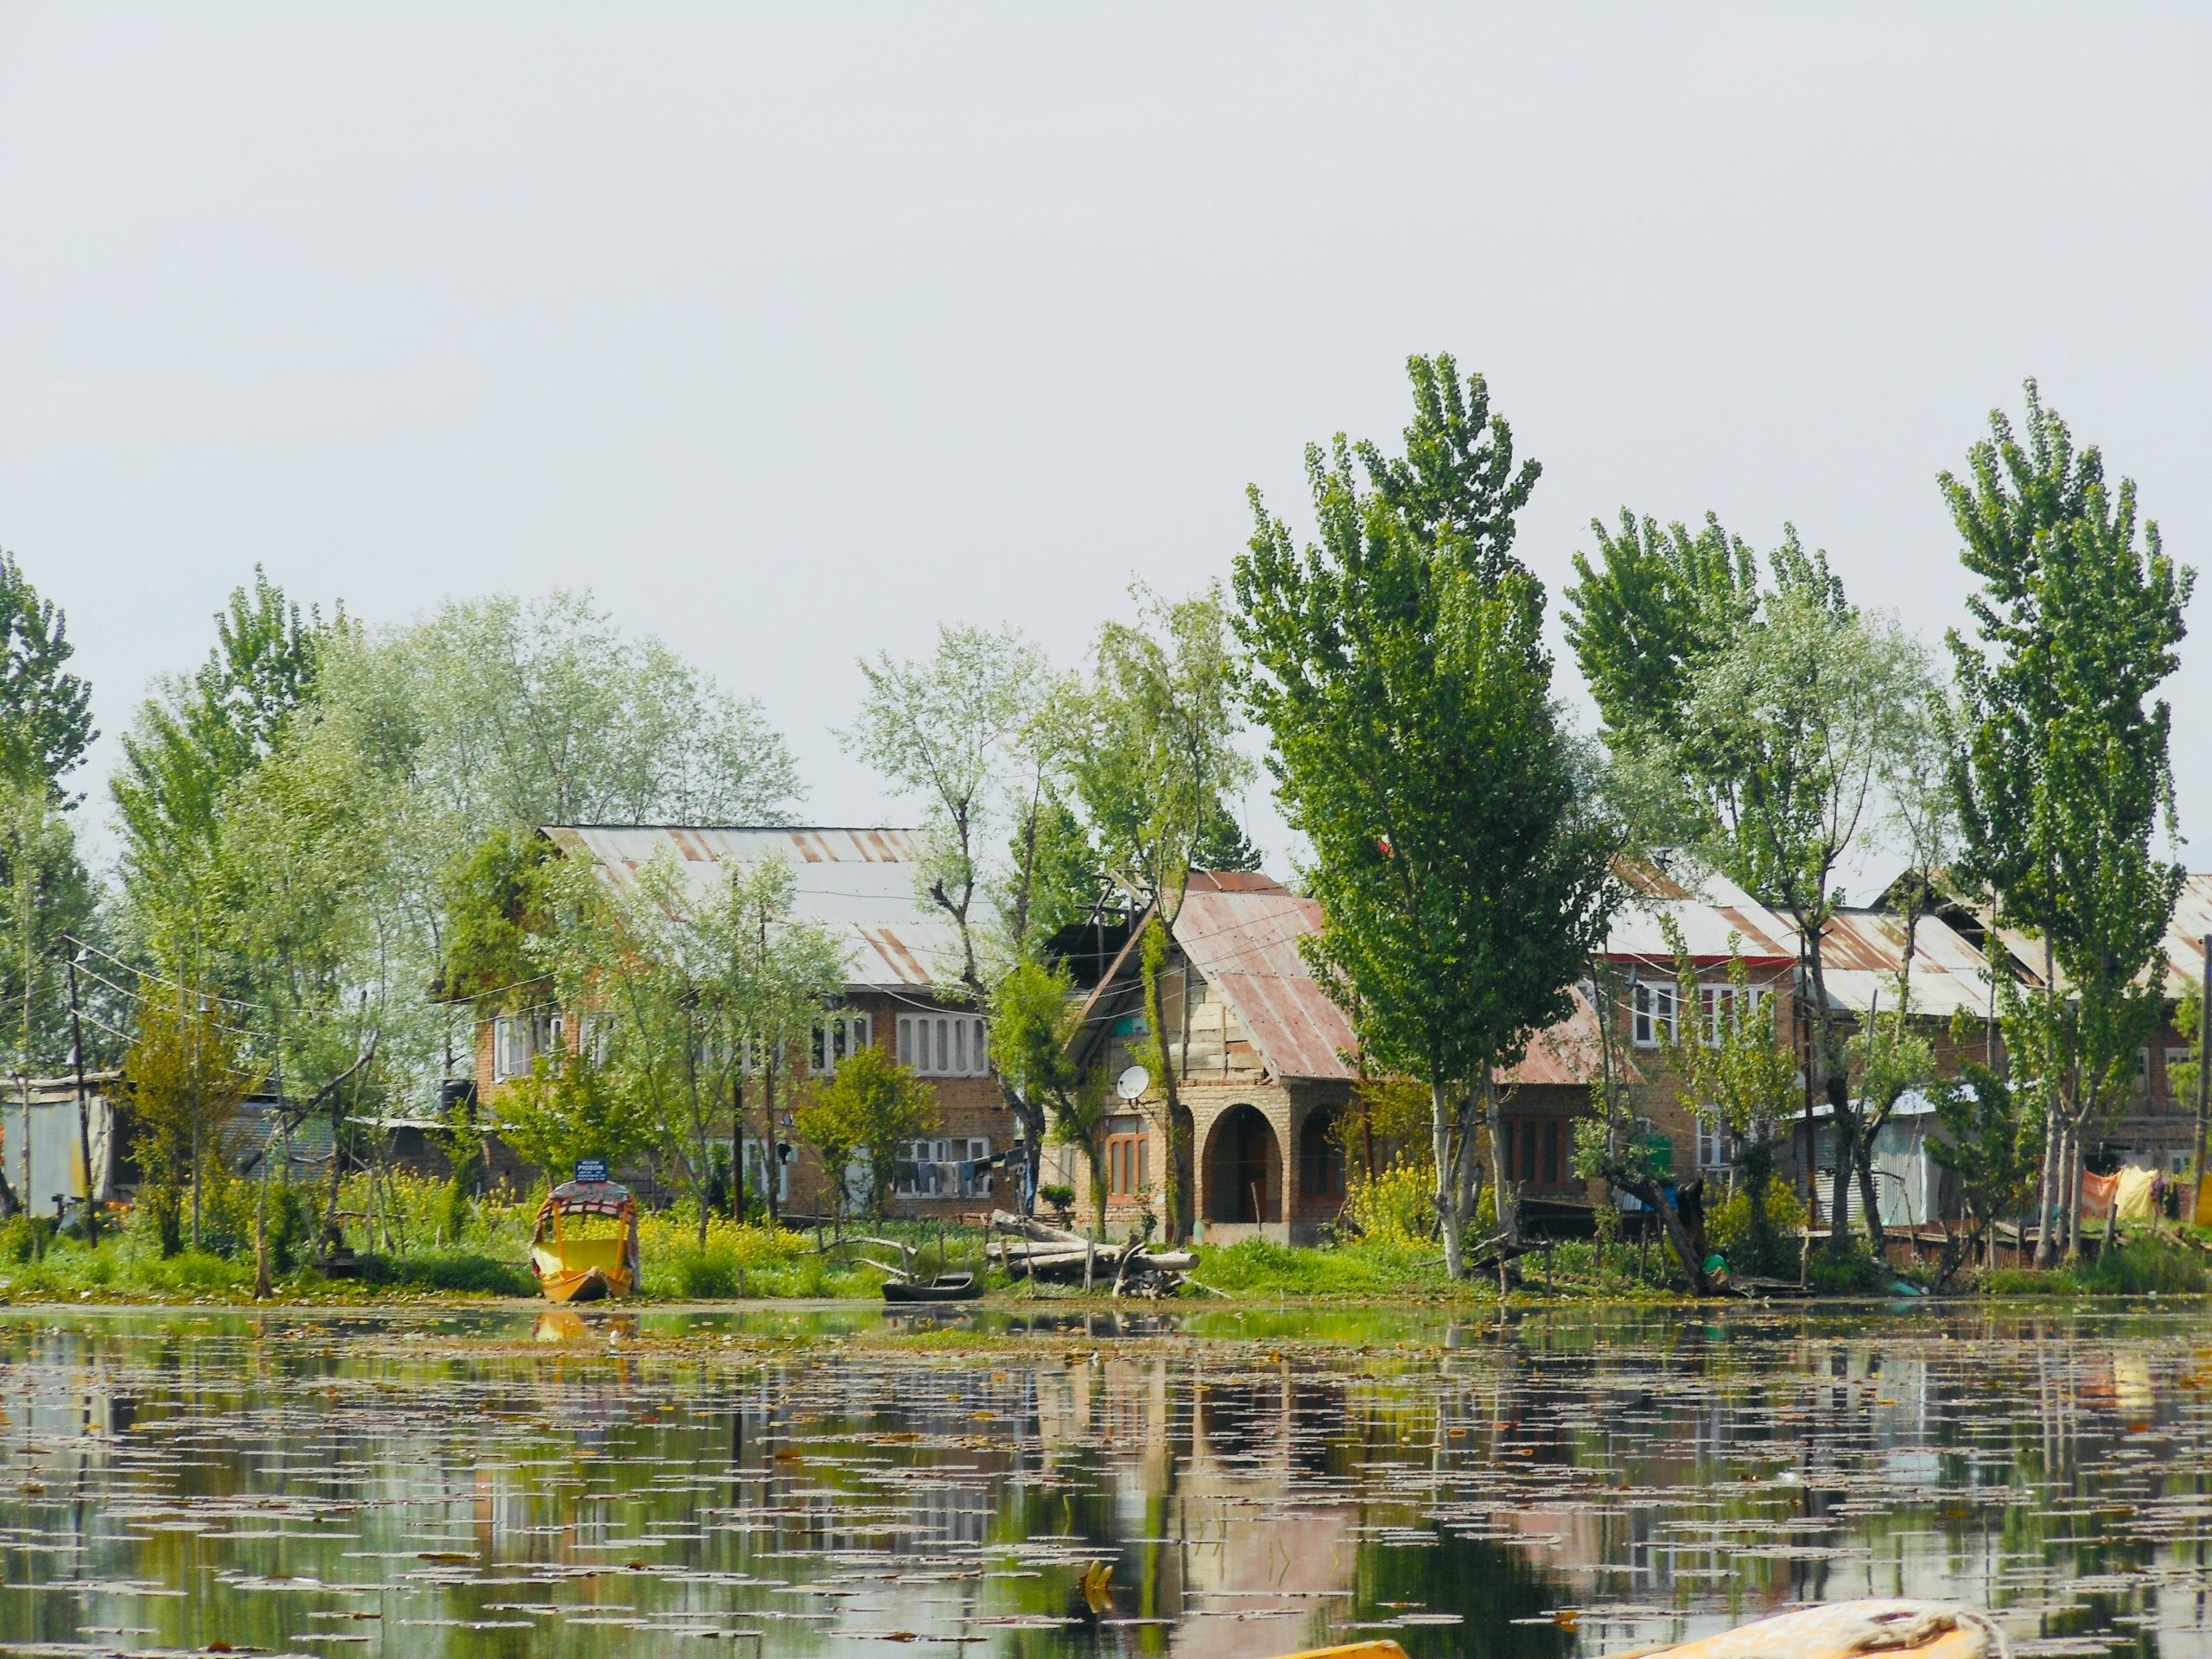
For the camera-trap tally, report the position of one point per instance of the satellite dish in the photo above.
(1133, 1082)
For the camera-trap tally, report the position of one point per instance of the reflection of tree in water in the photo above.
(1240, 1417)
(1488, 1585)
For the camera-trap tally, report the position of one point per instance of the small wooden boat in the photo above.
(576, 1265)
(945, 1287)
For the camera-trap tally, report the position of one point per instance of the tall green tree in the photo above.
(46, 711)
(2064, 776)
(45, 729)
(200, 736)
(494, 717)
(1157, 754)
(509, 711)
(977, 734)
(1033, 1038)
(699, 984)
(1654, 608)
(1796, 732)
(1399, 668)
(1760, 727)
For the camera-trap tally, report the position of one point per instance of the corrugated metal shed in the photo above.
(858, 881)
(1241, 931)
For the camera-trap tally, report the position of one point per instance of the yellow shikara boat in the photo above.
(573, 1266)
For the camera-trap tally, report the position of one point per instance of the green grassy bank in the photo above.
(422, 1240)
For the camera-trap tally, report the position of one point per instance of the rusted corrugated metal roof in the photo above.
(1713, 913)
(1570, 1052)
(2185, 931)
(2181, 947)
(860, 882)
(1862, 953)
(1241, 931)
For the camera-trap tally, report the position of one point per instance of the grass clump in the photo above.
(2140, 1267)
(1258, 1266)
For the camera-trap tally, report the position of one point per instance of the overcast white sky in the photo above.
(792, 331)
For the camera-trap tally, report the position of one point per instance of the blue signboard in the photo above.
(591, 1169)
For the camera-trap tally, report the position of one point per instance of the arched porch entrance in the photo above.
(1243, 1167)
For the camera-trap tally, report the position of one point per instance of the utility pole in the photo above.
(84, 1116)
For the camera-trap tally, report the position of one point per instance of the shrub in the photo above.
(1854, 1273)
(2141, 1266)
(1761, 1239)
(460, 1270)
(1397, 1206)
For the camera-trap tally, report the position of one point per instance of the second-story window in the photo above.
(943, 1045)
(835, 1037)
(1653, 1009)
(519, 1039)
(595, 1037)
(1724, 1007)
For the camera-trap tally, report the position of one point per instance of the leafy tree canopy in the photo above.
(46, 715)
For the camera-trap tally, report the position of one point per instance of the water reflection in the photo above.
(593, 1482)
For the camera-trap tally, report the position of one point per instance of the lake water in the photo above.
(830, 1482)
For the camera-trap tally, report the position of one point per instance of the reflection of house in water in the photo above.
(1221, 1481)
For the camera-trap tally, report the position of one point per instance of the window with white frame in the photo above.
(943, 1045)
(1721, 1007)
(595, 1037)
(837, 1037)
(518, 1038)
(1716, 1147)
(759, 1158)
(1654, 1007)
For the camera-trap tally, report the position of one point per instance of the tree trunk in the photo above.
(772, 1162)
(2073, 1190)
(1647, 1191)
(1177, 1201)
(1847, 1155)
(1440, 1118)
(737, 1148)
(1031, 1115)
(2047, 1188)
(1500, 1172)
(1869, 1201)
(699, 1178)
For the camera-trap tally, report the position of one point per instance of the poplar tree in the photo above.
(2063, 776)
(1156, 755)
(1398, 667)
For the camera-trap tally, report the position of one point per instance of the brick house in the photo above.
(860, 883)
(1716, 921)
(2157, 1128)
(1260, 1062)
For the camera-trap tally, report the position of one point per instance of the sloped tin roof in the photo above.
(2182, 946)
(1713, 913)
(859, 882)
(1862, 951)
(1241, 931)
